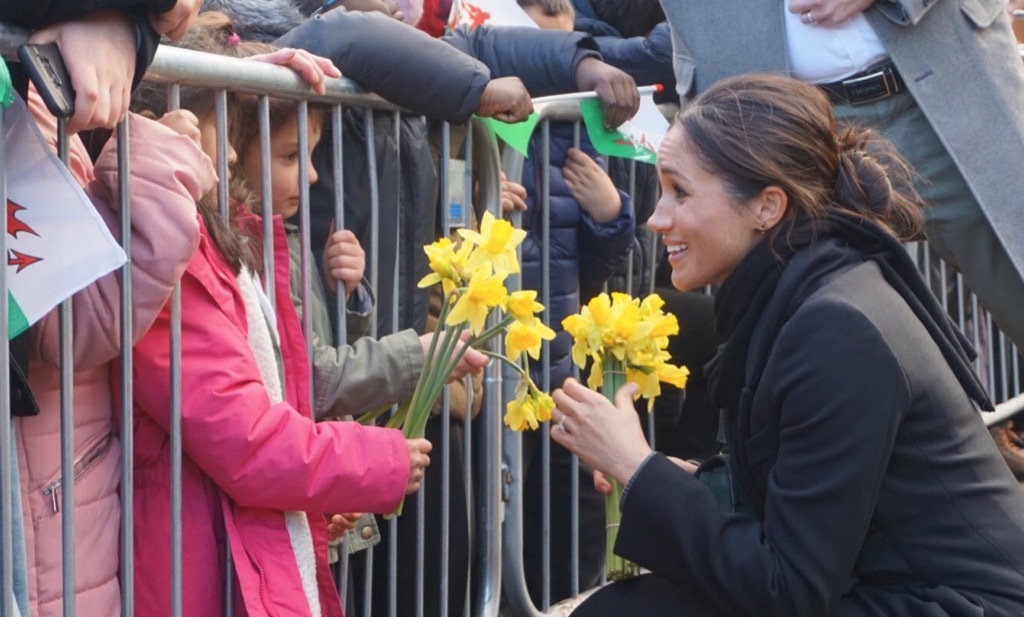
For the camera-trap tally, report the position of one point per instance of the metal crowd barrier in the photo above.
(223, 75)
(491, 454)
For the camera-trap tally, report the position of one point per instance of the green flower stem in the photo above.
(433, 378)
(615, 567)
(506, 360)
(449, 360)
(491, 332)
(412, 418)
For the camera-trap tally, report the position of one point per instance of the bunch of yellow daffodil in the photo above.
(625, 339)
(472, 276)
(622, 330)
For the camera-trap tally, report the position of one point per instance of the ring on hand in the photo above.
(806, 17)
(560, 425)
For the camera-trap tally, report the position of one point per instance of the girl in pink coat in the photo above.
(258, 473)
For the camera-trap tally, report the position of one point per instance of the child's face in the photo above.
(562, 21)
(208, 140)
(284, 165)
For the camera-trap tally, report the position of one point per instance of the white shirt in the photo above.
(822, 54)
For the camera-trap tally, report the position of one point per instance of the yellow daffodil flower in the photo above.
(484, 292)
(526, 336)
(675, 375)
(523, 305)
(495, 244)
(529, 408)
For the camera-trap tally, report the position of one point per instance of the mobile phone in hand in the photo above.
(45, 68)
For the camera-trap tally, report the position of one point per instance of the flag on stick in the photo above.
(474, 13)
(56, 242)
(638, 138)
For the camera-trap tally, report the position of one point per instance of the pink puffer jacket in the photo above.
(168, 174)
(245, 460)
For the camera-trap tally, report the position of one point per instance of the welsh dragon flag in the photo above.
(474, 13)
(56, 243)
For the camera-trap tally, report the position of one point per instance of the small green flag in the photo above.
(612, 142)
(6, 87)
(517, 135)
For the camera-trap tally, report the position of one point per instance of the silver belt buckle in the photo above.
(850, 87)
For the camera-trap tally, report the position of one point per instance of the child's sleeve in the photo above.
(604, 247)
(366, 375)
(169, 173)
(262, 455)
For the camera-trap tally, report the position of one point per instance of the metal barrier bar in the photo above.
(7, 451)
(67, 424)
(127, 382)
(174, 95)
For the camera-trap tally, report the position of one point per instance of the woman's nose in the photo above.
(660, 220)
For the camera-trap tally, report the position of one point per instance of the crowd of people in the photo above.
(837, 394)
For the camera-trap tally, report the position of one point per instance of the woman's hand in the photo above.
(601, 484)
(418, 463)
(605, 436)
(314, 69)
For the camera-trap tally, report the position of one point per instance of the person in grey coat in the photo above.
(871, 486)
(949, 92)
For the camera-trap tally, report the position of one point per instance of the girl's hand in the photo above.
(591, 187)
(344, 261)
(175, 23)
(473, 361)
(184, 122)
(605, 436)
(418, 463)
(601, 483)
(340, 524)
(513, 195)
(314, 69)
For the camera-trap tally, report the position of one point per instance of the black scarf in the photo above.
(771, 283)
(757, 291)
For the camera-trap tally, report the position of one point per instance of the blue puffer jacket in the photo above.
(584, 253)
(647, 59)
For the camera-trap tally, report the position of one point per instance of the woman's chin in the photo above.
(686, 282)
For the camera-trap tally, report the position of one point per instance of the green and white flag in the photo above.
(638, 138)
(475, 13)
(56, 242)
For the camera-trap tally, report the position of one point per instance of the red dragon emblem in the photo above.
(14, 227)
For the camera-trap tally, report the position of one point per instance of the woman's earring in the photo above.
(762, 229)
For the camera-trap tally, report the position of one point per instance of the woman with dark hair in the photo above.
(871, 485)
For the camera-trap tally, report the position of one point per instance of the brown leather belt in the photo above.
(874, 84)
